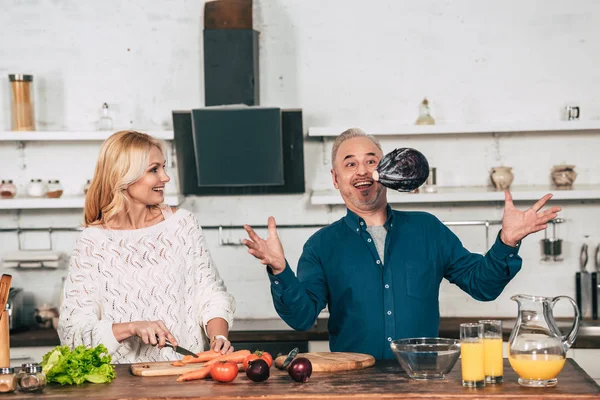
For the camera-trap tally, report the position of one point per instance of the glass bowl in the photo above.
(426, 358)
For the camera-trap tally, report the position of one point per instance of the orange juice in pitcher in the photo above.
(537, 349)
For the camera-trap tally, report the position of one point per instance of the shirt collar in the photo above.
(357, 224)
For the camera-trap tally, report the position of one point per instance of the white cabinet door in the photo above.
(21, 355)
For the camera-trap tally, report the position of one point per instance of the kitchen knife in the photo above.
(290, 357)
(179, 349)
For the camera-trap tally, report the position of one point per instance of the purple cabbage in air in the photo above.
(403, 169)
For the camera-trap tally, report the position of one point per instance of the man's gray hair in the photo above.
(351, 134)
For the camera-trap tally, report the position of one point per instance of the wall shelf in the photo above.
(21, 136)
(481, 128)
(469, 194)
(72, 202)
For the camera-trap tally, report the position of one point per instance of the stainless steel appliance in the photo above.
(16, 311)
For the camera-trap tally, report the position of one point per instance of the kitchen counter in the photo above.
(384, 380)
(270, 330)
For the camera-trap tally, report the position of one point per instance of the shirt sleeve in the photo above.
(299, 300)
(80, 322)
(213, 300)
(483, 277)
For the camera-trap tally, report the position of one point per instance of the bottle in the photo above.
(425, 117)
(106, 122)
(33, 379)
(8, 380)
(8, 190)
(21, 104)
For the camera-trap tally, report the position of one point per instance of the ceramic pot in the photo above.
(563, 176)
(501, 177)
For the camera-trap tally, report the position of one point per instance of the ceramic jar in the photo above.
(36, 188)
(502, 177)
(55, 189)
(8, 189)
(563, 176)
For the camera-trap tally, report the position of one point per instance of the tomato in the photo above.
(263, 355)
(224, 371)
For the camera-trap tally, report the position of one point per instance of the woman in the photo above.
(141, 272)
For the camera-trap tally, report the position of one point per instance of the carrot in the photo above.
(200, 373)
(236, 357)
(178, 364)
(202, 357)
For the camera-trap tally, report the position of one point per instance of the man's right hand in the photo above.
(270, 251)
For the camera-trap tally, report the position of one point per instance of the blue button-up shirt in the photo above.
(372, 303)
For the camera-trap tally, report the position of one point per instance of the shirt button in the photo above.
(377, 262)
(389, 339)
(511, 255)
(389, 313)
(362, 223)
(357, 229)
(369, 240)
(277, 282)
(387, 286)
(391, 224)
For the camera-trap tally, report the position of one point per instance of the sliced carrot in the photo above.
(178, 364)
(200, 373)
(236, 357)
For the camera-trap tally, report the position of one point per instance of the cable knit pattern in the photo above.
(163, 272)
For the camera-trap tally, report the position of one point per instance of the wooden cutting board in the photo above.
(334, 361)
(162, 368)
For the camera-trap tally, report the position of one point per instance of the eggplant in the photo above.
(402, 169)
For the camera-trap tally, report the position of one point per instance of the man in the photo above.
(379, 270)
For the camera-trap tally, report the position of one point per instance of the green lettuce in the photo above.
(67, 367)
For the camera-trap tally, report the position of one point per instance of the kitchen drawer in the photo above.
(274, 348)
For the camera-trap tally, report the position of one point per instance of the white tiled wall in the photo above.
(345, 63)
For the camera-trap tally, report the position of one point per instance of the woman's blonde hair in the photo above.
(122, 161)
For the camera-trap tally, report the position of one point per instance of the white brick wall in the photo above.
(345, 63)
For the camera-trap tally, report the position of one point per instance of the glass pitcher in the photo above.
(537, 350)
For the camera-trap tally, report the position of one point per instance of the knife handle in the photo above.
(578, 293)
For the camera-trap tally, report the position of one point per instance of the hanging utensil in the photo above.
(584, 285)
(596, 284)
(5, 282)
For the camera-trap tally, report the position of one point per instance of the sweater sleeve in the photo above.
(80, 320)
(212, 298)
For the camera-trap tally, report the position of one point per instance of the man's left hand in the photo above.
(517, 224)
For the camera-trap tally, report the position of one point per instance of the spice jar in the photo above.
(36, 188)
(8, 189)
(33, 380)
(55, 189)
(22, 370)
(86, 187)
(8, 380)
(21, 104)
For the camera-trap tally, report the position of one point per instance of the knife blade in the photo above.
(290, 357)
(179, 349)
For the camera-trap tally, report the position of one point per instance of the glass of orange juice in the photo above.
(492, 351)
(472, 355)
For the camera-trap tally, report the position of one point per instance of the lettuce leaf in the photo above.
(67, 367)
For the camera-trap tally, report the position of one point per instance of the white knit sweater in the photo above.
(163, 272)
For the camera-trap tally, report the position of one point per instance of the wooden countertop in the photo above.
(384, 380)
(269, 330)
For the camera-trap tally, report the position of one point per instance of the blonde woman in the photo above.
(141, 272)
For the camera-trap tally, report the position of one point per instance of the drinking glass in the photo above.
(471, 354)
(492, 351)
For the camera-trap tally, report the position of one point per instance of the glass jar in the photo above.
(55, 189)
(8, 380)
(8, 189)
(21, 102)
(22, 370)
(33, 379)
(36, 188)
(86, 187)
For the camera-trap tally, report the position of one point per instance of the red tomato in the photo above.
(224, 371)
(249, 357)
(263, 355)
